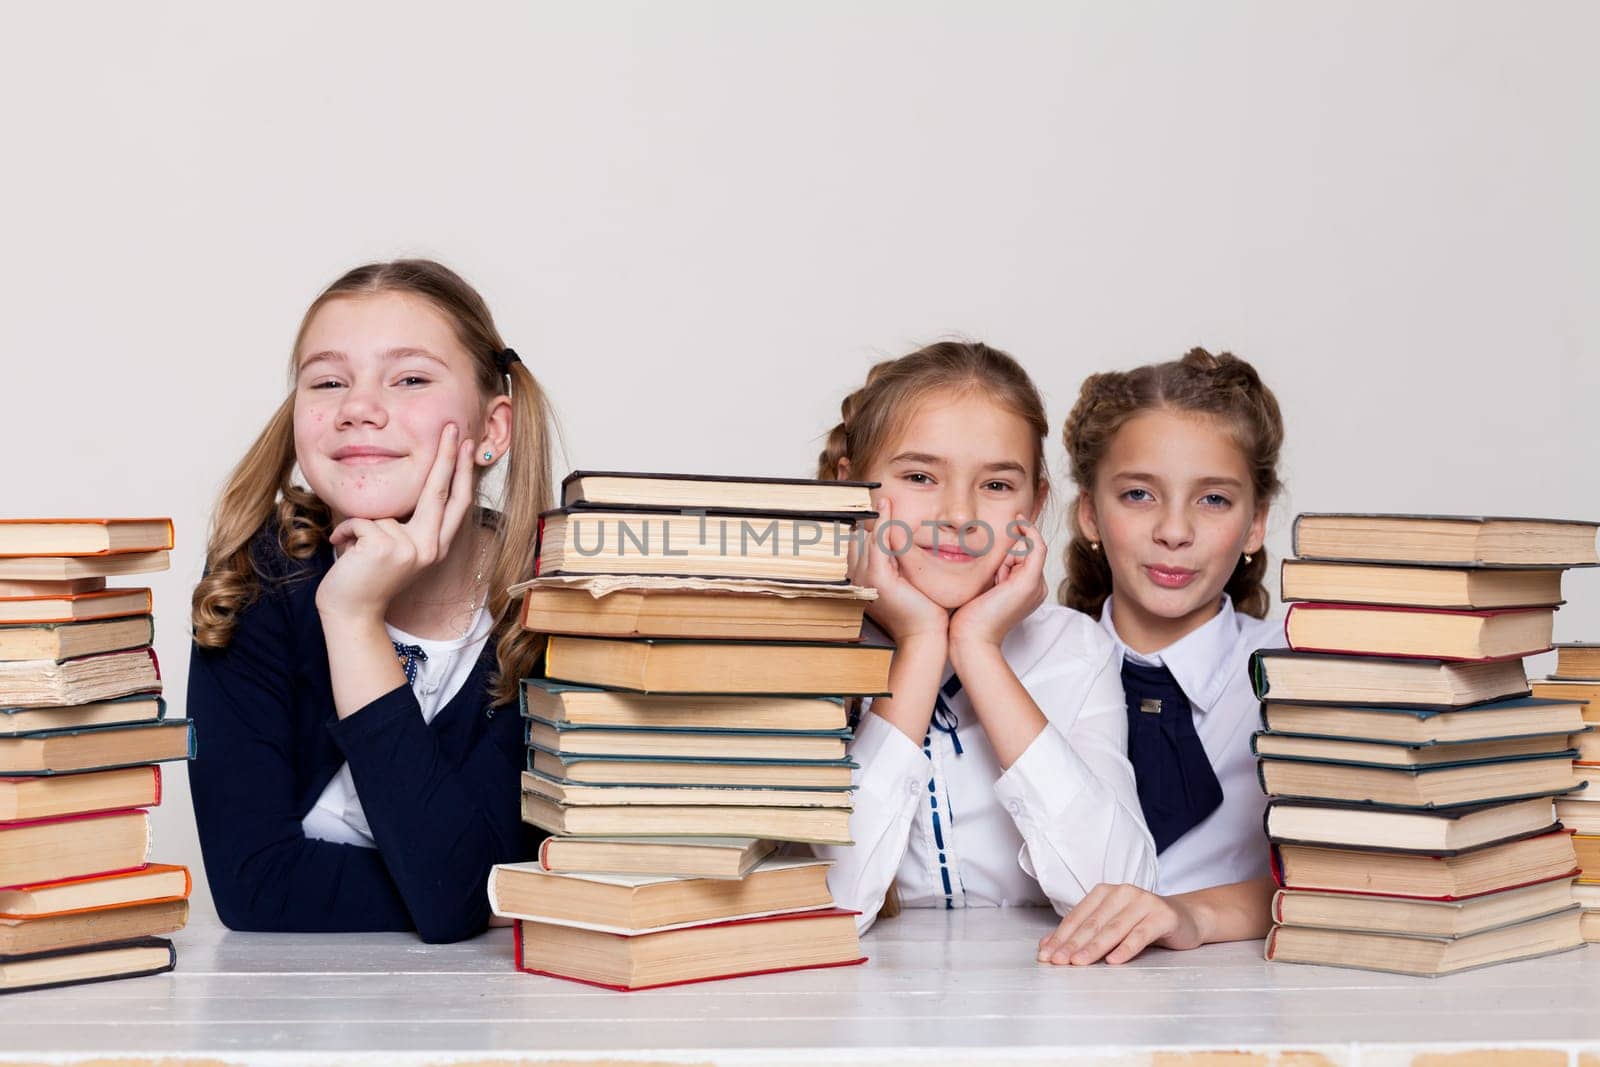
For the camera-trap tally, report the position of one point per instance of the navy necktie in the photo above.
(944, 718)
(1177, 786)
(410, 656)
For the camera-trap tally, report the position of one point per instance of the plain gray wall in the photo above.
(701, 222)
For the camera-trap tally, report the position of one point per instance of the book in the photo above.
(626, 902)
(1519, 717)
(29, 589)
(814, 774)
(1472, 873)
(1587, 847)
(26, 799)
(73, 846)
(1454, 540)
(58, 641)
(686, 744)
(578, 794)
(137, 707)
(1585, 693)
(150, 884)
(1461, 588)
(93, 963)
(45, 682)
(1418, 632)
(75, 568)
(1580, 816)
(1377, 681)
(729, 948)
(1439, 832)
(83, 537)
(96, 747)
(827, 826)
(778, 668)
(588, 706)
(810, 548)
(1425, 956)
(690, 857)
(1578, 661)
(56, 932)
(659, 606)
(1418, 787)
(1393, 754)
(74, 607)
(1422, 918)
(634, 489)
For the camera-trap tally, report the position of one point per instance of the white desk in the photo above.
(941, 988)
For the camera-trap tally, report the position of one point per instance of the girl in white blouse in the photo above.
(1176, 465)
(996, 774)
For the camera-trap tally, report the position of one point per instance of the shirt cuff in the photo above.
(893, 767)
(374, 718)
(1044, 780)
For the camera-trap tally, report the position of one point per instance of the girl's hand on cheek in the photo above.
(380, 557)
(1017, 592)
(901, 609)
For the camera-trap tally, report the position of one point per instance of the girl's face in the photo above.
(1173, 510)
(377, 379)
(958, 476)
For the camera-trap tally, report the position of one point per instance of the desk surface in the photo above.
(963, 983)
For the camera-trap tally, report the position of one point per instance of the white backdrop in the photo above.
(701, 222)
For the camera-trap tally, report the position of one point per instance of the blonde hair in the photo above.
(871, 417)
(1224, 387)
(260, 490)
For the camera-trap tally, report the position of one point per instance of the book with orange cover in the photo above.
(728, 948)
(55, 933)
(29, 799)
(83, 537)
(74, 607)
(151, 884)
(78, 568)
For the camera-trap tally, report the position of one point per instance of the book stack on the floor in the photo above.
(1412, 775)
(83, 728)
(702, 642)
(1577, 679)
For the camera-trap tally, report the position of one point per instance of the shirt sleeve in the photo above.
(891, 781)
(263, 872)
(440, 823)
(1072, 794)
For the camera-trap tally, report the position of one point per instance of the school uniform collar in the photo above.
(1200, 662)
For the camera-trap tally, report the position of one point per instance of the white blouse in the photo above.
(337, 815)
(1212, 667)
(951, 830)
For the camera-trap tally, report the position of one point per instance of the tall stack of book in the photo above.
(1412, 776)
(702, 642)
(1577, 679)
(83, 727)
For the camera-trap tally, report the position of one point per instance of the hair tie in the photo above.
(504, 358)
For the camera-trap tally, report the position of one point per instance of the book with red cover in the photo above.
(803, 916)
(83, 537)
(29, 798)
(1426, 633)
(101, 843)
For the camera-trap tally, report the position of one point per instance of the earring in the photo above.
(1094, 546)
(487, 456)
(1247, 558)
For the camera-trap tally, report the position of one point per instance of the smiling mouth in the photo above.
(949, 553)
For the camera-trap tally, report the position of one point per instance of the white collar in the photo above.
(1200, 661)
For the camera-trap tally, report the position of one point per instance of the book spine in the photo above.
(544, 853)
(1272, 941)
(1258, 676)
(516, 936)
(1276, 910)
(155, 769)
(1276, 861)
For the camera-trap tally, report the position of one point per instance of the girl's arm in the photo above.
(1071, 794)
(1117, 922)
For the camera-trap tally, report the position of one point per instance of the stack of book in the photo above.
(1577, 679)
(702, 639)
(82, 729)
(1412, 775)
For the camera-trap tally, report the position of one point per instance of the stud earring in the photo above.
(1247, 558)
(487, 456)
(1094, 546)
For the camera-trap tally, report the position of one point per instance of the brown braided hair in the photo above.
(1222, 386)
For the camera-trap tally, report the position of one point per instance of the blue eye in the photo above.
(1137, 496)
(1215, 500)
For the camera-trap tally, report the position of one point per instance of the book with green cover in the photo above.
(95, 748)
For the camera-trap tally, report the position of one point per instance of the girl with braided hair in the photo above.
(996, 774)
(1176, 465)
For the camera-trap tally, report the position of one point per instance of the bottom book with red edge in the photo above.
(703, 952)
